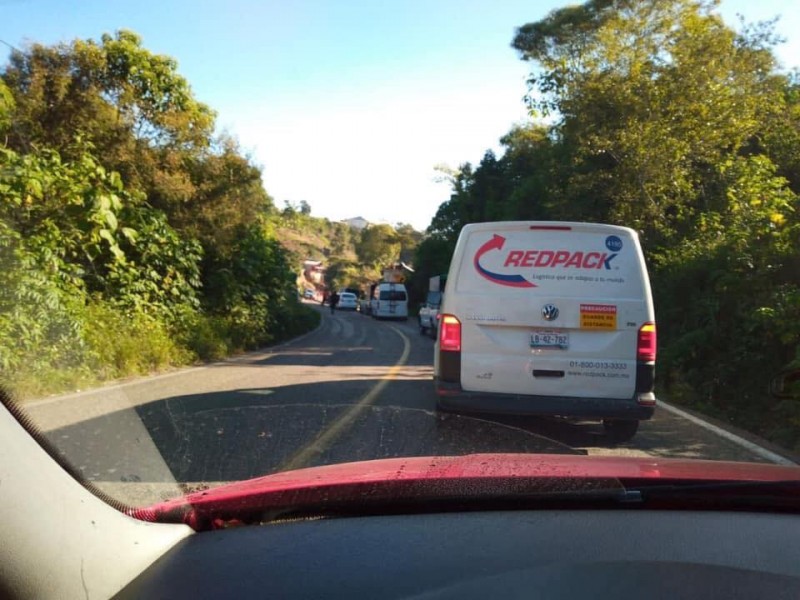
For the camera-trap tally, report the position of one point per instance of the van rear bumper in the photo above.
(453, 398)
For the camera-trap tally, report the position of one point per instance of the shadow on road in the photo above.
(244, 433)
(314, 357)
(573, 433)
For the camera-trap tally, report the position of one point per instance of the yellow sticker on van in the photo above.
(598, 316)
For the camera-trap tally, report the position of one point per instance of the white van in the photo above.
(389, 301)
(549, 318)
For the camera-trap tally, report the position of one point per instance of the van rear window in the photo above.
(434, 298)
(392, 296)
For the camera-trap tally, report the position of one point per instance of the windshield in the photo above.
(434, 298)
(218, 228)
(392, 295)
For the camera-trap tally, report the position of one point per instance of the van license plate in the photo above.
(549, 339)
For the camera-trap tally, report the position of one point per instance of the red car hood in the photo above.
(441, 478)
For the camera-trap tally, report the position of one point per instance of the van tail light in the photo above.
(450, 334)
(646, 343)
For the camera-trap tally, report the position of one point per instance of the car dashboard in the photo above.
(504, 554)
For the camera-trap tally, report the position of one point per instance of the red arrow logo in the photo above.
(496, 243)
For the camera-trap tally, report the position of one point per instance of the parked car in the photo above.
(308, 294)
(429, 313)
(347, 301)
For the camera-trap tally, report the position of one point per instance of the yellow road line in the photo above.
(325, 439)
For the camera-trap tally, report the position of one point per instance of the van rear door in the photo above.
(549, 309)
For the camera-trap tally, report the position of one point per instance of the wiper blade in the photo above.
(764, 495)
(391, 496)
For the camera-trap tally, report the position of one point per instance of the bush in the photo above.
(205, 336)
(130, 342)
(296, 319)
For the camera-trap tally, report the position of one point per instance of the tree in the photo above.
(409, 239)
(131, 104)
(342, 273)
(142, 121)
(95, 87)
(341, 236)
(781, 136)
(6, 108)
(649, 95)
(378, 246)
(530, 165)
(431, 257)
(228, 194)
(122, 212)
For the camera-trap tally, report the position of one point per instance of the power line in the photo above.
(10, 45)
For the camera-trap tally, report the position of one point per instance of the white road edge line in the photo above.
(732, 437)
(180, 371)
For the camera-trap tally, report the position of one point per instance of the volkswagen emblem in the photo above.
(549, 312)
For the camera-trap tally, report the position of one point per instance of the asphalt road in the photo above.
(354, 389)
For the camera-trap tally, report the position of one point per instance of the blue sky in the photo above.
(348, 105)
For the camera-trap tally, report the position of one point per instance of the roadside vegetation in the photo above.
(132, 238)
(354, 258)
(662, 118)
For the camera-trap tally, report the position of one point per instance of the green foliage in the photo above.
(109, 90)
(731, 292)
(38, 314)
(130, 238)
(206, 336)
(651, 95)
(148, 92)
(431, 258)
(254, 287)
(130, 342)
(341, 238)
(6, 107)
(86, 230)
(379, 246)
(345, 273)
(226, 194)
(408, 238)
(161, 273)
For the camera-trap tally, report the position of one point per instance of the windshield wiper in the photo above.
(714, 494)
(220, 508)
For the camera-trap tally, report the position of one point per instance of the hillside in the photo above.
(352, 252)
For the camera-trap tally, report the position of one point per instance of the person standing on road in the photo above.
(334, 300)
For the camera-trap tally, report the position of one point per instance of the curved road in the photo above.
(354, 389)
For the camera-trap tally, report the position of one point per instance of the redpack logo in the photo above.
(538, 259)
(558, 258)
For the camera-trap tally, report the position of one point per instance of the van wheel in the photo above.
(621, 430)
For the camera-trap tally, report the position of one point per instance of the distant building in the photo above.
(357, 222)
